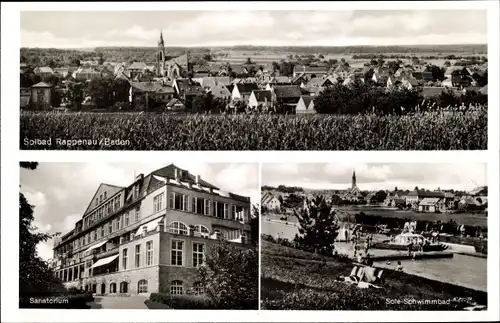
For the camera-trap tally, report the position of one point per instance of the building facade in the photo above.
(150, 236)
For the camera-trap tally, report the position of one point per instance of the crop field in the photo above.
(148, 131)
(297, 280)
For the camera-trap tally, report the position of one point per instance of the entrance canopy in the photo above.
(104, 261)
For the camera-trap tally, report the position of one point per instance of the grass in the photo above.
(292, 280)
(426, 131)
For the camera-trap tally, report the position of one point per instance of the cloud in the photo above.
(376, 176)
(253, 27)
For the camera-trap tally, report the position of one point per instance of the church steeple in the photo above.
(160, 57)
(353, 179)
(161, 38)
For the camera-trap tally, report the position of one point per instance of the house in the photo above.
(239, 69)
(135, 68)
(367, 73)
(432, 205)
(381, 76)
(219, 90)
(145, 238)
(43, 71)
(484, 90)
(175, 105)
(150, 95)
(409, 83)
(397, 202)
(260, 98)
(187, 88)
(305, 105)
(308, 71)
(85, 74)
(41, 95)
(242, 91)
(200, 71)
(61, 71)
(313, 91)
(392, 81)
(286, 95)
(270, 202)
(320, 82)
(416, 196)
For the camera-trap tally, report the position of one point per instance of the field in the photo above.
(296, 280)
(143, 131)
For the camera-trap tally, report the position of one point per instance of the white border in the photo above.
(10, 19)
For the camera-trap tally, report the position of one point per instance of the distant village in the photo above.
(418, 200)
(175, 84)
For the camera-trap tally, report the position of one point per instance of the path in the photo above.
(119, 302)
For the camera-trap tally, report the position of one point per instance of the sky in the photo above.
(466, 176)
(77, 29)
(61, 192)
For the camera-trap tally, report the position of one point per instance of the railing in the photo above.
(107, 253)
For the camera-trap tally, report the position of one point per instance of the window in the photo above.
(176, 252)
(118, 223)
(198, 254)
(178, 228)
(178, 201)
(105, 194)
(124, 258)
(238, 213)
(185, 203)
(136, 191)
(176, 288)
(137, 256)
(226, 211)
(125, 220)
(158, 202)
(149, 253)
(117, 203)
(220, 209)
(123, 287)
(102, 231)
(201, 230)
(206, 209)
(112, 288)
(142, 286)
(96, 202)
(137, 214)
(100, 198)
(95, 234)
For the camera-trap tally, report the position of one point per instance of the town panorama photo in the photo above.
(254, 80)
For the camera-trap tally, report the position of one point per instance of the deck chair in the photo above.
(356, 275)
(373, 277)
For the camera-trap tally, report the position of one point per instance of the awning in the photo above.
(97, 245)
(151, 225)
(104, 261)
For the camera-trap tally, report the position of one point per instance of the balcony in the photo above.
(107, 253)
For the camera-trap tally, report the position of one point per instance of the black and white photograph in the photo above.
(398, 236)
(254, 80)
(138, 236)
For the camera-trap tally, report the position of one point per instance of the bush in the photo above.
(182, 301)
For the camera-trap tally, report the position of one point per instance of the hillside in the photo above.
(298, 280)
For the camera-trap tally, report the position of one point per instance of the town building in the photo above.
(305, 105)
(150, 236)
(41, 95)
(261, 98)
(270, 201)
(148, 95)
(354, 194)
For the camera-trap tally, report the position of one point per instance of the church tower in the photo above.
(160, 57)
(353, 179)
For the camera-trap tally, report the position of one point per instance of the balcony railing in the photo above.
(107, 253)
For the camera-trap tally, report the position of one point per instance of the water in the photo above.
(460, 270)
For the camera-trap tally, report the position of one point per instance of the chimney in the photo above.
(197, 179)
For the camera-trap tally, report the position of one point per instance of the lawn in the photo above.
(293, 279)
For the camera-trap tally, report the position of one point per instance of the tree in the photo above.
(248, 61)
(230, 276)
(447, 64)
(75, 94)
(101, 92)
(437, 73)
(254, 224)
(35, 276)
(380, 196)
(318, 228)
(208, 57)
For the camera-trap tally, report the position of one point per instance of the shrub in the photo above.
(182, 301)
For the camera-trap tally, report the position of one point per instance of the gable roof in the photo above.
(484, 90)
(287, 91)
(246, 87)
(152, 87)
(42, 85)
(429, 201)
(137, 66)
(306, 99)
(169, 173)
(189, 86)
(103, 187)
(43, 69)
(262, 95)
